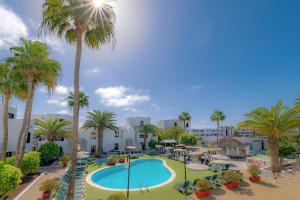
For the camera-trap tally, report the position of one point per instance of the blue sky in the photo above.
(174, 55)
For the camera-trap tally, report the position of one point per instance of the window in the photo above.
(62, 139)
(142, 123)
(116, 146)
(187, 125)
(175, 124)
(11, 116)
(141, 135)
(116, 133)
(93, 135)
(28, 138)
(93, 148)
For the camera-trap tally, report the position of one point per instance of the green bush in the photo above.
(231, 177)
(31, 162)
(254, 170)
(49, 152)
(10, 179)
(188, 139)
(152, 144)
(204, 184)
(65, 159)
(117, 196)
(48, 185)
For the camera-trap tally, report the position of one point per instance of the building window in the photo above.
(141, 135)
(93, 135)
(117, 134)
(175, 124)
(116, 146)
(93, 148)
(28, 138)
(62, 139)
(11, 116)
(187, 125)
(142, 123)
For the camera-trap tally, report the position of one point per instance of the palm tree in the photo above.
(146, 130)
(77, 20)
(52, 129)
(218, 116)
(184, 116)
(100, 121)
(83, 100)
(272, 123)
(33, 65)
(9, 86)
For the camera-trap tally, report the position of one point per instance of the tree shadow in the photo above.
(218, 192)
(243, 191)
(244, 184)
(262, 183)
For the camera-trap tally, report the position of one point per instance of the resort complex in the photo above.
(149, 100)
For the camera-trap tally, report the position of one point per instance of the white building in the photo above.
(170, 123)
(244, 132)
(14, 127)
(223, 131)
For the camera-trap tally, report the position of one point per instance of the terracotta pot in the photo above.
(254, 179)
(122, 160)
(231, 185)
(46, 195)
(111, 163)
(203, 193)
(65, 164)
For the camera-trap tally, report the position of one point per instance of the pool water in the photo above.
(101, 161)
(144, 173)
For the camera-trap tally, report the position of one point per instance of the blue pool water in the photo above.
(144, 173)
(101, 161)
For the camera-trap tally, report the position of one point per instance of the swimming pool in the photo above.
(144, 174)
(101, 161)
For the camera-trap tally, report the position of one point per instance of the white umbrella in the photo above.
(196, 153)
(219, 157)
(130, 147)
(222, 162)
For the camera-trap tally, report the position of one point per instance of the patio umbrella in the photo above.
(179, 150)
(130, 147)
(219, 157)
(222, 162)
(196, 153)
(158, 146)
(168, 148)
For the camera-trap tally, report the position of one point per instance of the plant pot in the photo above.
(46, 195)
(65, 165)
(254, 179)
(111, 163)
(203, 193)
(231, 185)
(121, 160)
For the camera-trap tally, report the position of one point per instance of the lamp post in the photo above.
(184, 163)
(128, 178)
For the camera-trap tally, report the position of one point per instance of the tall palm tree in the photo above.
(184, 116)
(83, 99)
(77, 20)
(218, 116)
(272, 123)
(100, 121)
(34, 66)
(52, 129)
(146, 130)
(9, 86)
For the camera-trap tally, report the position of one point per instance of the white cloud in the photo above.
(93, 71)
(55, 43)
(57, 102)
(63, 112)
(120, 97)
(59, 90)
(197, 87)
(155, 106)
(12, 27)
(130, 109)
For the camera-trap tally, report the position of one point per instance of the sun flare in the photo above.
(98, 3)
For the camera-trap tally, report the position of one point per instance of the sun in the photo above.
(99, 3)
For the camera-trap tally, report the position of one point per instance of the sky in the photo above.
(173, 56)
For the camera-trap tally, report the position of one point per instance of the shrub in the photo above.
(231, 177)
(204, 184)
(31, 162)
(111, 159)
(65, 159)
(49, 152)
(48, 185)
(10, 179)
(254, 170)
(152, 144)
(188, 139)
(117, 196)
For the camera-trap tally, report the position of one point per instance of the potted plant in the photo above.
(122, 159)
(254, 172)
(47, 186)
(231, 179)
(111, 160)
(204, 188)
(65, 160)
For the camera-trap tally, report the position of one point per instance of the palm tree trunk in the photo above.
(275, 159)
(79, 29)
(218, 128)
(5, 127)
(145, 140)
(21, 135)
(25, 132)
(100, 141)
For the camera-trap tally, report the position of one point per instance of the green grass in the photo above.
(163, 193)
(262, 157)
